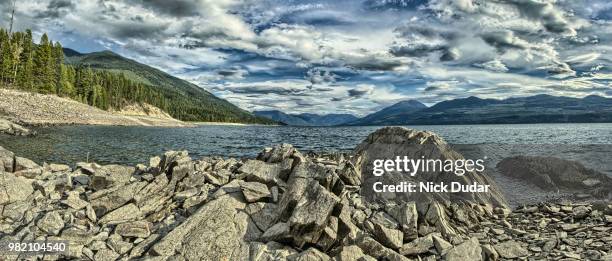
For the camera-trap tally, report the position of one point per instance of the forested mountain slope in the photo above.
(106, 80)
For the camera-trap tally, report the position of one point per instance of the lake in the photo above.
(588, 143)
(132, 145)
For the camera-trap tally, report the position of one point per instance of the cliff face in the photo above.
(283, 205)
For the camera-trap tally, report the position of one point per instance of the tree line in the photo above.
(40, 68)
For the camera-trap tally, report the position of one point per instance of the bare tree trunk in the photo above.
(12, 18)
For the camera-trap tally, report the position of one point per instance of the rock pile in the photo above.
(283, 205)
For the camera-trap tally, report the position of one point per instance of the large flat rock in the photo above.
(217, 231)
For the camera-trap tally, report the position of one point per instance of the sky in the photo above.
(338, 56)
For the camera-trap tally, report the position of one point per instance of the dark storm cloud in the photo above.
(136, 29)
(503, 40)
(317, 18)
(416, 50)
(451, 54)
(357, 93)
(393, 4)
(431, 88)
(234, 72)
(551, 19)
(432, 39)
(56, 9)
(178, 8)
(61, 4)
(228, 72)
(253, 89)
(375, 64)
(427, 29)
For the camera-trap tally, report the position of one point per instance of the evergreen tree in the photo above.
(43, 76)
(6, 56)
(26, 62)
(66, 81)
(56, 65)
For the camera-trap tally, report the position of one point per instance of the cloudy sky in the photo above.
(346, 56)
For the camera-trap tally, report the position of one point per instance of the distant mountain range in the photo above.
(306, 119)
(188, 100)
(474, 110)
(471, 110)
(378, 118)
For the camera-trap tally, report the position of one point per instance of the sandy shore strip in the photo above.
(229, 124)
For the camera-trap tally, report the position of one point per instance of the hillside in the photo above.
(403, 107)
(532, 109)
(306, 119)
(40, 109)
(326, 119)
(187, 101)
(282, 117)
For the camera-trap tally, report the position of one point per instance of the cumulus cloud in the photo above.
(349, 56)
(318, 76)
(495, 65)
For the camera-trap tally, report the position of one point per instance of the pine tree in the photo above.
(26, 63)
(66, 83)
(6, 64)
(42, 70)
(56, 65)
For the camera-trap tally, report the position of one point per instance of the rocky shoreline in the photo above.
(283, 205)
(11, 128)
(34, 109)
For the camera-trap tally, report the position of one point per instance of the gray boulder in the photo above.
(254, 191)
(11, 128)
(407, 216)
(279, 153)
(24, 164)
(393, 142)
(389, 237)
(51, 223)
(375, 249)
(350, 253)
(263, 172)
(126, 213)
(7, 160)
(306, 206)
(111, 176)
(311, 254)
(218, 230)
(14, 188)
(510, 249)
(468, 250)
(418, 246)
(270, 251)
(141, 229)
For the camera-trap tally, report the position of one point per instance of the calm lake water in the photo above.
(131, 145)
